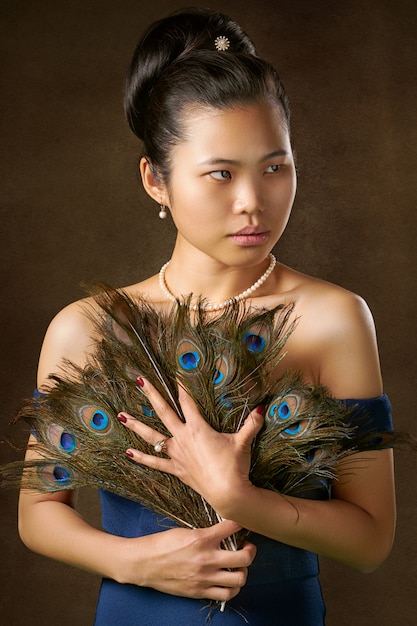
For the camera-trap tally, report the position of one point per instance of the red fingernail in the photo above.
(260, 409)
(122, 418)
(140, 381)
(129, 453)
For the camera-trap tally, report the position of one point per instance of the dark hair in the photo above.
(176, 64)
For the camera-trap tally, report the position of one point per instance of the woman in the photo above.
(214, 120)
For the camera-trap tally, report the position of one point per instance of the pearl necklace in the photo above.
(220, 305)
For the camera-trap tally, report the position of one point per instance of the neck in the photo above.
(260, 277)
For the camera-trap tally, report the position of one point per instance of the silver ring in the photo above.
(160, 445)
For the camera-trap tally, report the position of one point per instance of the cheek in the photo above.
(288, 192)
(197, 202)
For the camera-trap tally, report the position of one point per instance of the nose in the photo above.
(248, 198)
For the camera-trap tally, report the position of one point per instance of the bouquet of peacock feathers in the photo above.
(226, 361)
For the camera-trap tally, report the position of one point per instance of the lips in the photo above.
(250, 230)
(250, 236)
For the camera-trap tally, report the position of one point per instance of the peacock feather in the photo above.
(226, 361)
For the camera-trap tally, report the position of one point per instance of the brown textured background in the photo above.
(72, 210)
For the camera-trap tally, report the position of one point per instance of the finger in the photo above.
(169, 417)
(231, 578)
(154, 462)
(223, 529)
(252, 425)
(190, 408)
(221, 594)
(236, 559)
(249, 551)
(143, 430)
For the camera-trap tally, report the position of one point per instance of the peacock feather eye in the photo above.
(221, 371)
(99, 420)
(218, 377)
(313, 454)
(188, 355)
(275, 411)
(96, 420)
(294, 429)
(67, 441)
(226, 401)
(61, 475)
(256, 337)
(56, 476)
(253, 342)
(62, 439)
(282, 409)
(189, 360)
(147, 411)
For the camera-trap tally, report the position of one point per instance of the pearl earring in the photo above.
(163, 212)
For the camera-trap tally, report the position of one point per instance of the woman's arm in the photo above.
(356, 527)
(178, 561)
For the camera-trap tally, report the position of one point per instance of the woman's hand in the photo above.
(214, 464)
(190, 563)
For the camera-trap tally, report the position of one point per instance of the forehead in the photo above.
(258, 126)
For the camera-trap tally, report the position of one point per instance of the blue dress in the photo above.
(278, 581)
(282, 588)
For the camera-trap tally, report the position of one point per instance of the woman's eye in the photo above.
(273, 169)
(221, 174)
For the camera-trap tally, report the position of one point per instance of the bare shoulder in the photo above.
(70, 336)
(336, 336)
(328, 306)
(338, 309)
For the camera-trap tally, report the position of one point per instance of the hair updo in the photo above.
(176, 64)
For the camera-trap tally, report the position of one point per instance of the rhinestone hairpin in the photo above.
(221, 43)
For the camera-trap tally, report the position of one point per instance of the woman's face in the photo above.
(232, 183)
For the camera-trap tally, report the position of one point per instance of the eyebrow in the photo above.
(221, 161)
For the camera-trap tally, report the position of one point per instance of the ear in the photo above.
(153, 187)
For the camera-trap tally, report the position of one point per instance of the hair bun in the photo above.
(169, 39)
